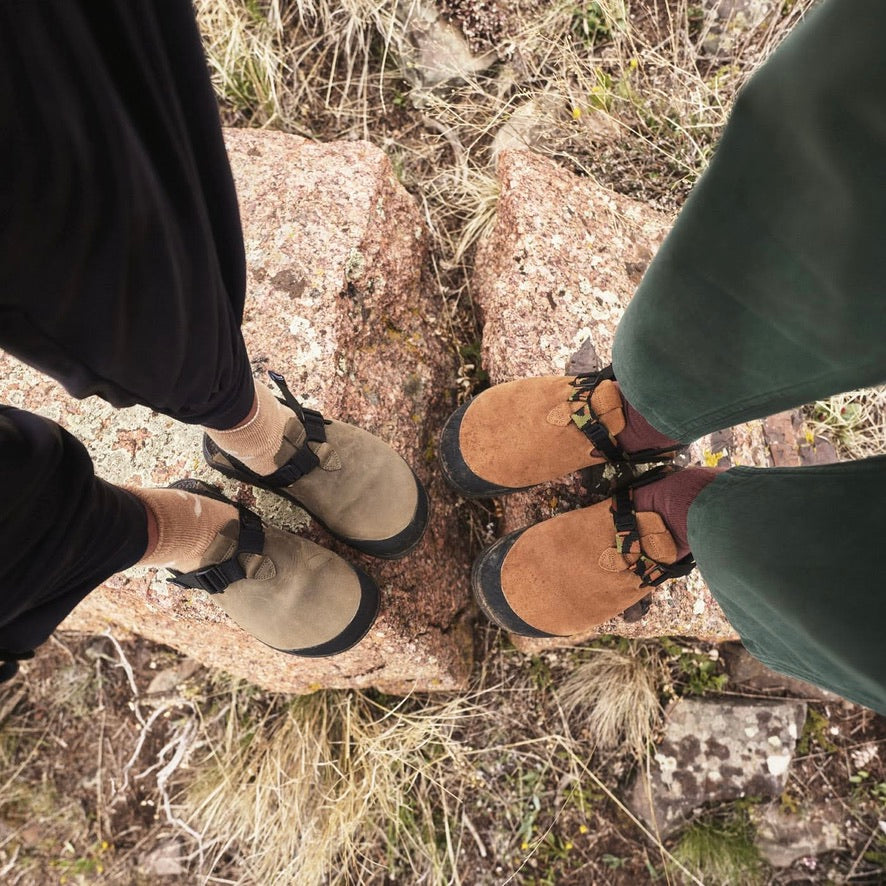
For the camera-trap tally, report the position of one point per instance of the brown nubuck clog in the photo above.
(577, 570)
(522, 433)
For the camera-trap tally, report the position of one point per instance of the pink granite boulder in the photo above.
(337, 302)
(551, 281)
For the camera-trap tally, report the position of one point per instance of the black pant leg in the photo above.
(63, 531)
(121, 255)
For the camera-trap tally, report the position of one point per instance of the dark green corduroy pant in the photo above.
(770, 292)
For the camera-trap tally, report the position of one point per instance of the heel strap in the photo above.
(589, 423)
(304, 459)
(651, 572)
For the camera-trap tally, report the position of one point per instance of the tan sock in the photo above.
(187, 524)
(259, 440)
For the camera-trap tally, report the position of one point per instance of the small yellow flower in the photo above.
(576, 113)
(524, 845)
(583, 829)
(632, 64)
(711, 459)
(810, 437)
(567, 846)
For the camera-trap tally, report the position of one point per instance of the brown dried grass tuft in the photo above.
(613, 696)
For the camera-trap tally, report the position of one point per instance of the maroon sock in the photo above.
(638, 433)
(671, 497)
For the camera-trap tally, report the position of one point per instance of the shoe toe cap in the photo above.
(407, 539)
(487, 585)
(454, 467)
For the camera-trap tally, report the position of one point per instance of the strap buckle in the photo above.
(315, 425)
(212, 579)
(585, 380)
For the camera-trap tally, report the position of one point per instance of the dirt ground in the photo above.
(82, 797)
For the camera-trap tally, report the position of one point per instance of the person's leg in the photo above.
(770, 291)
(122, 263)
(122, 274)
(64, 531)
(121, 257)
(793, 557)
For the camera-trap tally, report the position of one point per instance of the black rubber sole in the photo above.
(455, 470)
(367, 610)
(486, 583)
(386, 549)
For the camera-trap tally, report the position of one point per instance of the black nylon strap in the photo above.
(303, 459)
(302, 462)
(252, 536)
(214, 579)
(623, 511)
(315, 425)
(650, 572)
(645, 567)
(596, 432)
(592, 379)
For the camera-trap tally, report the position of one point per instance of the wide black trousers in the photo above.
(122, 274)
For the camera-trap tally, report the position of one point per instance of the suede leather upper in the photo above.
(297, 594)
(565, 576)
(520, 433)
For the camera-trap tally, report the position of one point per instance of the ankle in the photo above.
(638, 434)
(671, 499)
(153, 530)
(257, 440)
(184, 525)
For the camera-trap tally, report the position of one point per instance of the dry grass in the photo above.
(855, 421)
(613, 696)
(351, 787)
(496, 785)
(331, 788)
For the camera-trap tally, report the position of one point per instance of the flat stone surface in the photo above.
(783, 837)
(745, 672)
(551, 281)
(338, 304)
(791, 444)
(717, 750)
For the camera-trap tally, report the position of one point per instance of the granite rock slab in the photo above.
(551, 281)
(782, 837)
(337, 301)
(715, 750)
